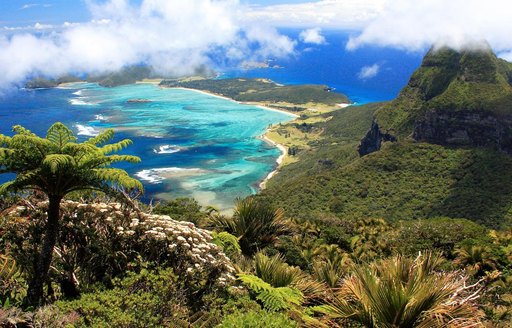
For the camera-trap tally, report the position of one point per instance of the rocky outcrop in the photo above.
(373, 139)
(466, 128)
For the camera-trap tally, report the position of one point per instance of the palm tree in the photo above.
(57, 165)
(275, 271)
(404, 292)
(255, 224)
(475, 259)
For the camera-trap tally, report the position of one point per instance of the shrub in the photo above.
(257, 319)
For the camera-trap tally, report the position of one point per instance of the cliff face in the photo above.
(466, 128)
(373, 140)
(455, 98)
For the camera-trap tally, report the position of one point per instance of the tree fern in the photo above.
(56, 165)
(272, 299)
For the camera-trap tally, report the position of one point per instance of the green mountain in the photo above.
(453, 98)
(450, 132)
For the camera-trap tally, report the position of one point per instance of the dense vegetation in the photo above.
(262, 90)
(414, 235)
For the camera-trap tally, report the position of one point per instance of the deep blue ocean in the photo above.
(196, 145)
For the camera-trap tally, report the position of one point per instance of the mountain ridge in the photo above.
(445, 101)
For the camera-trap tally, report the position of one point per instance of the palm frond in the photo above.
(275, 270)
(401, 292)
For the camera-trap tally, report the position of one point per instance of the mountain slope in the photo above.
(453, 98)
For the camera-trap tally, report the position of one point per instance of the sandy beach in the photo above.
(264, 137)
(279, 160)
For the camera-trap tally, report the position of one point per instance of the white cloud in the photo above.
(346, 14)
(312, 35)
(416, 24)
(368, 72)
(175, 37)
(28, 5)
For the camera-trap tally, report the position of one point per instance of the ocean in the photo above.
(197, 145)
(333, 65)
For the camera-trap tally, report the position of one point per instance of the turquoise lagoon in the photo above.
(191, 144)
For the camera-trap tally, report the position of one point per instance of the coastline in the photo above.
(284, 151)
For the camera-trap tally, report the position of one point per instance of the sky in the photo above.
(53, 37)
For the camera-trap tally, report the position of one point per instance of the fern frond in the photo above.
(115, 147)
(6, 187)
(21, 130)
(117, 177)
(60, 135)
(254, 283)
(5, 153)
(273, 299)
(56, 162)
(282, 298)
(122, 158)
(4, 140)
(101, 138)
(226, 240)
(77, 149)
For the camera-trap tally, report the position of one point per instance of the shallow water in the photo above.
(191, 144)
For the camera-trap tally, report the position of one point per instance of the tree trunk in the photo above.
(35, 292)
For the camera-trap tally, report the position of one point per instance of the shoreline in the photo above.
(283, 149)
(255, 104)
(284, 152)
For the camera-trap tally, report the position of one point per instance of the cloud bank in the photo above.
(338, 14)
(407, 24)
(416, 24)
(175, 37)
(312, 35)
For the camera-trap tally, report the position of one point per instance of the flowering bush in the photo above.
(99, 241)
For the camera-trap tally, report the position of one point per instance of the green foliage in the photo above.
(442, 234)
(181, 209)
(275, 271)
(259, 90)
(403, 292)
(402, 181)
(272, 298)
(146, 299)
(257, 319)
(58, 165)
(127, 75)
(227, 242)
(254, 223)
(12, 288)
